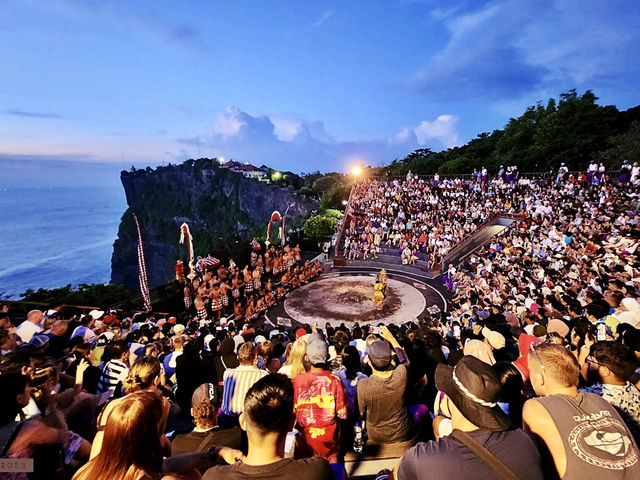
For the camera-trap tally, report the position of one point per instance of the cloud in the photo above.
(511, 49)
(323, 18)
(442, 129)
(480, 60)
(289, 142)
(23, 113)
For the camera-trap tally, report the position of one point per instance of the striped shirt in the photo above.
(236, 384)
(113, 372)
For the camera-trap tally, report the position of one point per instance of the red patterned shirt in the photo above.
(319, 401)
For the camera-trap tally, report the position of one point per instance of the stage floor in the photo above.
(347, 297)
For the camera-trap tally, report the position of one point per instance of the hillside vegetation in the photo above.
(574, 129)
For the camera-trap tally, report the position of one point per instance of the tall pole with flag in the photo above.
(283, 236)
(142, 270)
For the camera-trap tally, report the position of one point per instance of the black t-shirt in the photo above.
(189, 442)
(449, 458)
(314, 468)
(382, 402)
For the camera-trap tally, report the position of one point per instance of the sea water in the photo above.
(51, 237)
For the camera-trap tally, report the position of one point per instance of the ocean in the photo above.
(50, 237)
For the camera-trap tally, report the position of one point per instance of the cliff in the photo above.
(222, 208)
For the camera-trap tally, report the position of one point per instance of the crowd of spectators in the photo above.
(423, 219)
(531, 373)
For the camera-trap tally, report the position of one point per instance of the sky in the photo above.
(92, 87)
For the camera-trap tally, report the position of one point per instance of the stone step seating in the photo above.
(375, 458)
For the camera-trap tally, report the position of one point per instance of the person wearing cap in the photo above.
(31, 326)
(236, 382)
(206, 434)
(267, 418)
(498, 345)
(381, 397)
(471, 394)
(319, 403)
(582, 434)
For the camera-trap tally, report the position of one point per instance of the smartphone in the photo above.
(456, 331)
(601, 335)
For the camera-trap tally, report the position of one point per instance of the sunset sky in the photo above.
(91, 87)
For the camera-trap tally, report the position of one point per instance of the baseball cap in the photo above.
(206, 391)
(380, 355)
(317, 349)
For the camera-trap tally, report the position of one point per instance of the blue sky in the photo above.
(296, 85)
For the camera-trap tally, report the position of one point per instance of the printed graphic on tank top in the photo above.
(593, 431)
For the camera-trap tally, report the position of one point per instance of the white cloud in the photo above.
(228, 123)
(501, 50)
(286, 127)
(323, 18)
(287, 141)
(442, 129)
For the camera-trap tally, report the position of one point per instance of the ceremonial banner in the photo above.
(275, 217)
(186, 233)
(142, 270)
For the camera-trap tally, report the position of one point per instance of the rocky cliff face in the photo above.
(219, 206)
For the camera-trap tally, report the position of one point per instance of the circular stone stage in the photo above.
(348, 297)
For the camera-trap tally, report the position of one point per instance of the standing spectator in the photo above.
(584, 434)
(319, 402)
(382, 396)
(32, 325)
(236, 384)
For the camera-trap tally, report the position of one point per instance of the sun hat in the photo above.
(474, 387)
(206, 391)
(495, 339)
(317, 349)
(380, 354)
(96, 314)
(479, 350)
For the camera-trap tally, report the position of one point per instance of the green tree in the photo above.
(320, 227)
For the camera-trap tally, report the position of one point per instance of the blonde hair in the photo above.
(297, 356)
(141, 375)
(559, 363)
